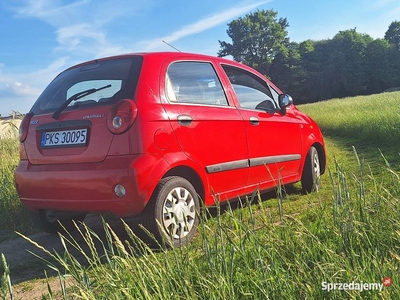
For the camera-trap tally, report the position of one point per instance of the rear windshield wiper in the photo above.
(75, 97)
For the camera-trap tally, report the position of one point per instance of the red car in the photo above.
(157, 133)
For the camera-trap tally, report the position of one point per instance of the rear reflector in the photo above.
(122, 116)
(23, 128)
(119, 190)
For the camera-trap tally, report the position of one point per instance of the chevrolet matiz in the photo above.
(156, 134)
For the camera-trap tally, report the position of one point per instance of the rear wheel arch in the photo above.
(190, 175)
(168, 168)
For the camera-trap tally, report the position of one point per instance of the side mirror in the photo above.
(284, 101)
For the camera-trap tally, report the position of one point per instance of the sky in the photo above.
(41, 38)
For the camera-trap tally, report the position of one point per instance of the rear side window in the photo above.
(115, 79)
(194, 82)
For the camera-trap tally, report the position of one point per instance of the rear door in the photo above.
(208, 129)
(274, 140)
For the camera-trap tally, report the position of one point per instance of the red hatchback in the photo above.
(155, 134)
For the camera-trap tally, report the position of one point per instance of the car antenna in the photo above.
(171, 46)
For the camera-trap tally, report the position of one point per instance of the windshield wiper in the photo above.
(75, 97)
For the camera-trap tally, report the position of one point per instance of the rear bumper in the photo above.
(89, 187)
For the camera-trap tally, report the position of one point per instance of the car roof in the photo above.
(163, 56)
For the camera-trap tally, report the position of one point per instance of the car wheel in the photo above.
(48, 221)
(311, 177)
(172, 214)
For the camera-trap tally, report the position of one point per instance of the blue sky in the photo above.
(40, 38)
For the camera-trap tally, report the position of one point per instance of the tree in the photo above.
(347, 63)
(256, 39)
(382, 62)
(287, 71)
(316, 66)
(392, 35)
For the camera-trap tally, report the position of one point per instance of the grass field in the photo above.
(287, 246)
(13, 215)
(369, 123)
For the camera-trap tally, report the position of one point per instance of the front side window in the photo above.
(113, 80)
(194, 82)
(275, 94)
(250, 90)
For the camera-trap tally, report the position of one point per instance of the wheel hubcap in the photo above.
(179, 213)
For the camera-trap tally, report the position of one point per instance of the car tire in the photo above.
(47, 221)
(172, 214)
(311, 177)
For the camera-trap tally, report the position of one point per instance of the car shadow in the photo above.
(254, 198)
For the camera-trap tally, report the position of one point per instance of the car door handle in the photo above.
(254, 121)
(185, 120)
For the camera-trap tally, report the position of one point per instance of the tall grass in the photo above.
(245, 254)
(13, 216)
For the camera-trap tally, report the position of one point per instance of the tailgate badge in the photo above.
(34, 122)
(93, 116)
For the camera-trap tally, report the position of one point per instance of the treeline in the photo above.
(349, 64)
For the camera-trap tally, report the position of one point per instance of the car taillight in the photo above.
(121, 116)
(23, 128)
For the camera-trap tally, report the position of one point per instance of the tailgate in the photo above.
(79, 136)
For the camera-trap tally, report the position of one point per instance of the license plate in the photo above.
(64, 138)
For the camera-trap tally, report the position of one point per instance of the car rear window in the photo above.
(115, 79)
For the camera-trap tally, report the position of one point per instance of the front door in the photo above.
(274, 140)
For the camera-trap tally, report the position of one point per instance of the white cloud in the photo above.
(202, 25)
(80, 32)
(19, 91)
(17, 96)
(71, 37)
(85, 39)
(380, 3)
(43, 76)
(384, 12)
(51, 13)
(394, 13)
(80, 25)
